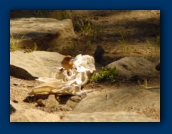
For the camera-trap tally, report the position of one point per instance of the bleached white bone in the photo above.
(73, 79)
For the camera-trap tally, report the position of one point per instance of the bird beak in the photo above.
(71, 58)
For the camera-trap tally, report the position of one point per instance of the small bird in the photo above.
(67, 62)
(98, 53)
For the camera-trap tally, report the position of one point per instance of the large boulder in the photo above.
(126, 99)
(123, 105)
(43, 32)
(131, 67)
(107, 117)
(34, 64)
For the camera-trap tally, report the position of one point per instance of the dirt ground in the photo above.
(139, 99)
(121, 33)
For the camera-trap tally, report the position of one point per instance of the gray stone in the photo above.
(75, 98)
(107, 117)
(44, 32)
(126, 99)
(34, 64)
(130, 67)
(123, 105)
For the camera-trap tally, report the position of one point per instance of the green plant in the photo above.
(15, 42)
(88, 43)
(85, 27)
(143, 84)
(106, 74)
(153, 47)
(90, 30)
(148, 42)
(35, 47)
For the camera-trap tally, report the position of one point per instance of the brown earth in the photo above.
(121, 33)
(107, 98)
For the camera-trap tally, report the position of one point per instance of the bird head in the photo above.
(67, 62)
(67, 58)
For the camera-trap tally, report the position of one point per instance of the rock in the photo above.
(34, 64)
(44, 32)
(73, 101)
(118, 100)
(71, 104)
(107, 117)
(130, 67)
(65, 108)
(75, 98)
(51, 102)
(33, 115)
(124, 105)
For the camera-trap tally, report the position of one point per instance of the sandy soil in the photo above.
(143, 101)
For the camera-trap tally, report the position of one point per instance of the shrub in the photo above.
(15, 43)
(106, 74)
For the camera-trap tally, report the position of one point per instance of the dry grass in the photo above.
(121, 32)
(15, 43)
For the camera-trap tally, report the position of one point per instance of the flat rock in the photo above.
(43, 32)
(34, 64)
(126, 99)
(24, 114)
(33, 115)
(107, 117)
(130, 67)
